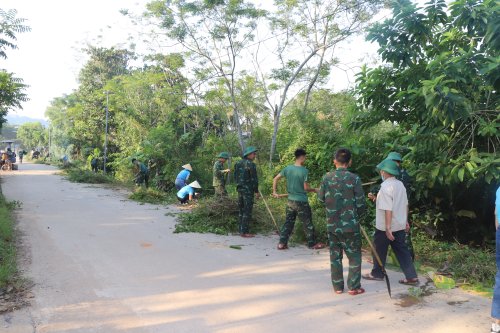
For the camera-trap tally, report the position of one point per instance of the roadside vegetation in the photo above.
(8, 259)
(433, 98)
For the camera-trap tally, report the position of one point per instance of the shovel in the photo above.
(377, 257)
(269, 211)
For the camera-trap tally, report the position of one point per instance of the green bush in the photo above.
(474, 266)
(220, 216)
(152, 196)
(78, 175)
(8, 265)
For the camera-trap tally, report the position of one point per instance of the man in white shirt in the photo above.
(392, 224)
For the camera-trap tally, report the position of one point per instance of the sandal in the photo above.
(354, 292)
(369, 276)
(410, 282)
(339, 292)
(282, 246)
(318, 246)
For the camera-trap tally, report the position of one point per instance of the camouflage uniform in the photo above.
(344, 200)
(245, 175)
(302, 210)
(219, 179)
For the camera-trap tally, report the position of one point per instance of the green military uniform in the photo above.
(344, 200)
(247, 184)
(219, 176)
(219, 179)
(142, 176)
(298, 204)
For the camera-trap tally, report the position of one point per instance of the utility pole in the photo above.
(106, 133)
(50, 144)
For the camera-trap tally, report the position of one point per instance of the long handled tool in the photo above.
(377, 257)
(269, 211)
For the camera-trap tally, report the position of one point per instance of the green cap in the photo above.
(395, 156)
(224, 155)
(389, 166)
(249, 150)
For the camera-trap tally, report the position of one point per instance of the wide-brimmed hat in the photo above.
(395, 156)
(389, 166)
(249, 150)
(187, 167)
(223, 155)
(195, 184)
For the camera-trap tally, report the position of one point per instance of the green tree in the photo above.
(214, 33)
(309, 31)
(12, 89)
(33, 135)
(440, 85)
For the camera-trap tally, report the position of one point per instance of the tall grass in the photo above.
(8, 264)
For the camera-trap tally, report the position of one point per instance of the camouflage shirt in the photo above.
(219, 178)
(245, 175)
(341, 193)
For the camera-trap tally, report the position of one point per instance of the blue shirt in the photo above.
(497, 202)
(186, 190)
(184, 174)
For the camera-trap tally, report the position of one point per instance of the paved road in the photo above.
(101, 263)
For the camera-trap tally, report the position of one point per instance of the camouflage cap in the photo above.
(223, 155)
(249, 150)
(395, 156)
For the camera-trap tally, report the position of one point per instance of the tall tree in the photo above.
(214, 33)
(309, 31)
(12, 89)
(32, 135)
(440, 85)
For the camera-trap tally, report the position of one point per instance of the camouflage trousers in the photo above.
(245, 205)
(302, 210)
(350, 243)
(220, 190)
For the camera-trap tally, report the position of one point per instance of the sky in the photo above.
(49, 57)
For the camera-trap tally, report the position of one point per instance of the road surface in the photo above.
(102, 263)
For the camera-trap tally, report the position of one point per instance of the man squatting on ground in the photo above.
(342, 194)
(391, 223)
(298, 203)
(187, 193)
(247, 185)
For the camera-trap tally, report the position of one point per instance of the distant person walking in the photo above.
(183, 176)
(21, 155)
(247, 184)
(142, 173)
(298, 203)
(220, 174)
(392, 224)
(495, 307)
(342, 194)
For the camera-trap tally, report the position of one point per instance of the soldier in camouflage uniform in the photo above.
(405, 178)
(219, 178)
(247, 184)
(343, 197)
(298, 203)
